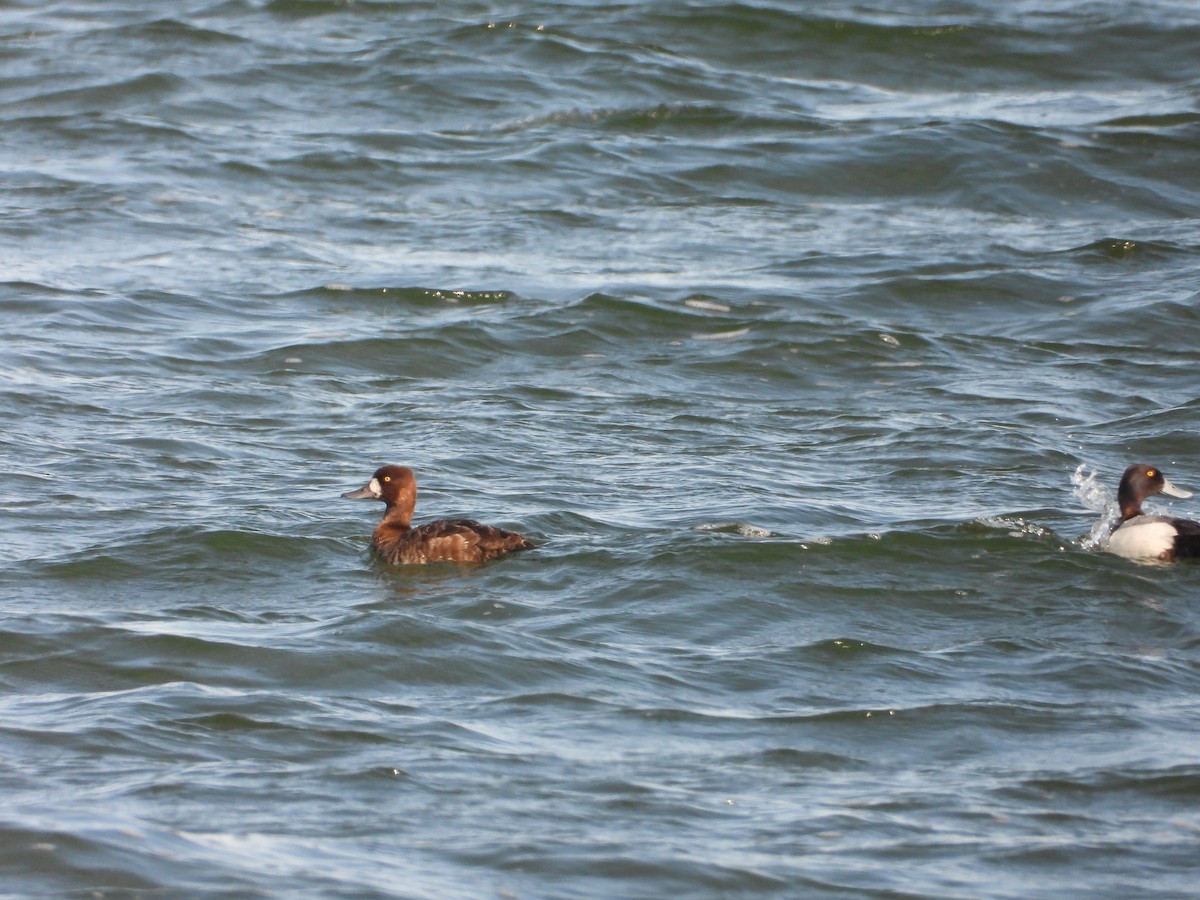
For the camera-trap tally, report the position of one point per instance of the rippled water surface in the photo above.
(806, 340)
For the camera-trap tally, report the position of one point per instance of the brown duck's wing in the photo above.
(462, 540)
(1187, 541)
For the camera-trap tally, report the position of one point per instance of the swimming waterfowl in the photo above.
(396, 542)
(1140, 536)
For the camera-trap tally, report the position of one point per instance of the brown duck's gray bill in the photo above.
(1171, 491)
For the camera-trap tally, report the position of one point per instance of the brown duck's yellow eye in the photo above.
(389, 477)
(1150, 473)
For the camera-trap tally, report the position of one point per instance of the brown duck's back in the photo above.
(448, 540)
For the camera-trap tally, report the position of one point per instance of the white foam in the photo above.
(1015, 526)
(1093, 494)
(745, 529)
(707, 305)
(722, 335)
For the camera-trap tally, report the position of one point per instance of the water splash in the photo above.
(1015, 526)
(1098, 498)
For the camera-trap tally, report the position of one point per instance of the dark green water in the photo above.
(807, 341)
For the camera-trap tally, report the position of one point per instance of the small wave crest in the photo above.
(1016, 526)
(745, 529)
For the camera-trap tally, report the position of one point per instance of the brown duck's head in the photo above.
(394, 485)
(1141, 481)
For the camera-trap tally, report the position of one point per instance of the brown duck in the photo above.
(396, 542)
